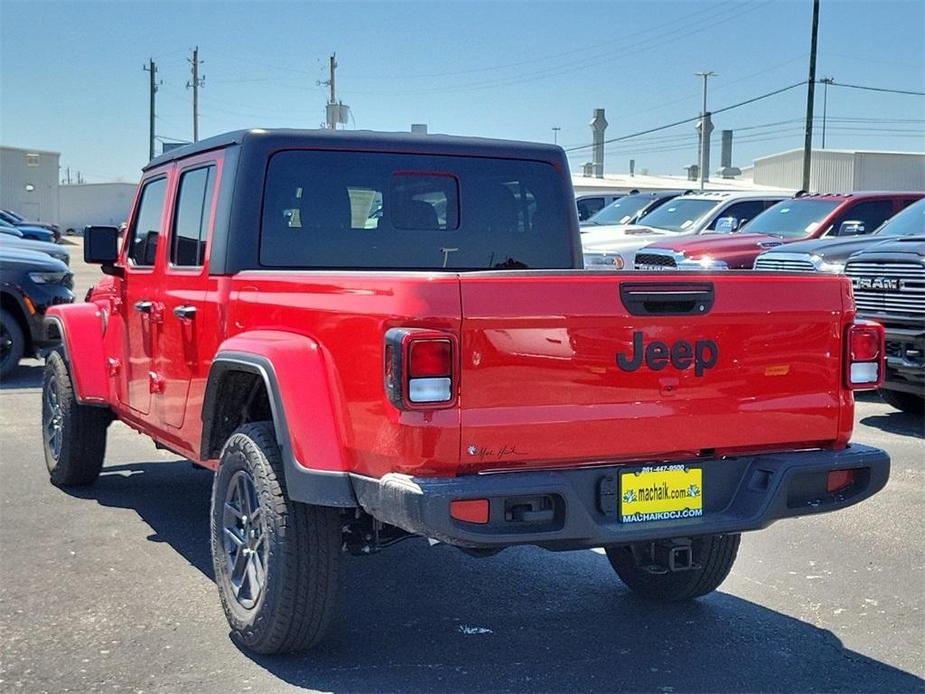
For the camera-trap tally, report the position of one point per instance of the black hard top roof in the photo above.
(367, 140)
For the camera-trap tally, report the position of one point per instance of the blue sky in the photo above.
(71, 76)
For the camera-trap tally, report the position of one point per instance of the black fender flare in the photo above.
(303, 484)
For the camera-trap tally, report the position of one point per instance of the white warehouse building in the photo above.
(106, 204)
(842, 171)
(29, 183)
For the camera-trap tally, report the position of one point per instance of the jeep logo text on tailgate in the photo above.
(702, 354)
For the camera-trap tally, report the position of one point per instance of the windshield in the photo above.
(621, 211)
(681, 214)
(909, 222)
(792, 218)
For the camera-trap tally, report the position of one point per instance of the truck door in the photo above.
(139, 294)
(187, 321)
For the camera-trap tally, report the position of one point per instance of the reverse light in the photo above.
(865, 346)
(420, 368)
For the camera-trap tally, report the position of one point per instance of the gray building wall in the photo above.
(95, 203)
(843, 171)
(881, 171)
(29, 183)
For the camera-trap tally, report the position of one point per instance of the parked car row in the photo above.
(726, 230)
(610, 247)
(37, 231)
(34, 275)
(31, 281)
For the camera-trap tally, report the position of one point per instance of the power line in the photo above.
(877, 89)
(787, 133)
(694, 118)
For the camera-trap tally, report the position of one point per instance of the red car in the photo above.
(447, 370)
(805, 217)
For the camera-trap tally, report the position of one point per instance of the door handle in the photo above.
(185, 312)
(144, 306)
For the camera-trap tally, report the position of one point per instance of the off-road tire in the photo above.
(907, 402)
(715, 555)
(16, 345)
(78, 458)
(300, 551)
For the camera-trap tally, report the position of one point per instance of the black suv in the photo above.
(888, 280)
(30, 282)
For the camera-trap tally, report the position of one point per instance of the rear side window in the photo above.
(588, 207)
(743, 211)
(405, 211)
(871, 213)
(147, 228)
(191, 219)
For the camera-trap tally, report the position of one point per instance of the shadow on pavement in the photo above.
(893, 421)
(420, 618)
(25, 376)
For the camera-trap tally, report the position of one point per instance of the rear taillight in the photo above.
(420, 367)
(865, 346)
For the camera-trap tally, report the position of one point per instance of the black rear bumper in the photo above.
(740, 494)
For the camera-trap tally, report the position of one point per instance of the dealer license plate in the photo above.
(666, 492)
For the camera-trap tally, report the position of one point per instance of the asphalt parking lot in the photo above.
(110, 589)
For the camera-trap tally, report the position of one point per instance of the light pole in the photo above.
(704, 139)
(555, 134)
(825, 103)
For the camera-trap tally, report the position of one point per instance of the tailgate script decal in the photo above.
(702, 355)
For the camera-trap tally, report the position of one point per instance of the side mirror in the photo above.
(101, 247)
(726, 225)
(851, 228)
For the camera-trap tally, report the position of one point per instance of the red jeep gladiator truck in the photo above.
(374, 336)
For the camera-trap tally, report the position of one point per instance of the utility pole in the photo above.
(704, 135)
(825, 103)
(332, 102)
(555, 134)
(333, 68)
(152, 70)
(331, 109)
(810, 96)
(195, 84)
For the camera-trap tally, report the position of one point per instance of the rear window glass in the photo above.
(406, 211)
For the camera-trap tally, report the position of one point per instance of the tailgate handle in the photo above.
(667, 298)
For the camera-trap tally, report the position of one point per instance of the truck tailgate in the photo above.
(574, 368)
